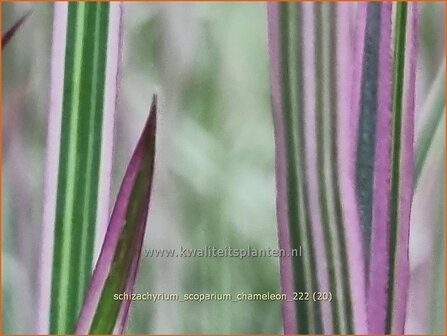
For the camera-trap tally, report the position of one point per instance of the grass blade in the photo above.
(76, 194)
(51, 164)
(301, 272)
(322, 102)
(403, 159)
(309, 46)
(288, 308)
(374, 137)
(117, 265)
(393, 175)
(348, 80)
(376, 70)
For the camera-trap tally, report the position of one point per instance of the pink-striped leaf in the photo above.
(118, 262)
(392, 170)
(311, 49)
(343, 87)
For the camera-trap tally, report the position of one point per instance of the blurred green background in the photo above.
(214, 181)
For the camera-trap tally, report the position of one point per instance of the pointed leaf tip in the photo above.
(11, 32)
(118, 263)
(152, 121)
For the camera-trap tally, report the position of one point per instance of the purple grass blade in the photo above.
(311, 51)
(286, 273)
(406, 179)
(380, 232)
(347, 201)
(311, 162)
(358, 35)
(348, 81)
(6, 37)
(124, 237)
(393, 174)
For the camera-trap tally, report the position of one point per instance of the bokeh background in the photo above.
(214, 183)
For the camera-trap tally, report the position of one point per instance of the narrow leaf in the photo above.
(311, 81)
(374, 137)
(6, 37)
(375, 95)
(282, 213)
(118, 262)
(84, 58)
(392, 170)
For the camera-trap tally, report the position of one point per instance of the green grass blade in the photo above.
(78, 167)
(76, 194)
